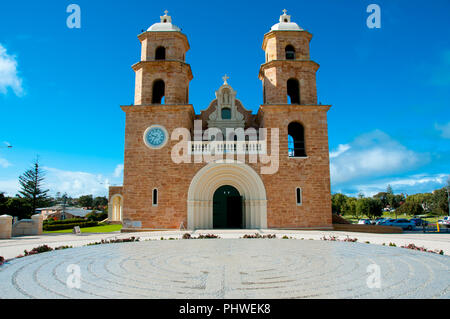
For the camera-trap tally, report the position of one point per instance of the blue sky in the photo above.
(60, 88)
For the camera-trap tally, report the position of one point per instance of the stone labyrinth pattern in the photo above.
(228, 268)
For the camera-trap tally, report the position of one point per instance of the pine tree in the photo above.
(389, 190)
(31, 187)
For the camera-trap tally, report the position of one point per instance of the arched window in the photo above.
(296, 140)
(226, 114)
(298, 193)
(160, 53)
(155, 197)
(293, 91)
(158, 91)
(290, 52)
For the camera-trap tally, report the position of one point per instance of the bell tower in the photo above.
(162, 75)
(288, 74)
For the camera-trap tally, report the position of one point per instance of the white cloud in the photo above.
(444, 129)
(371, 155)
(4, 163)
(118, 171)
(9, 187)
(341, 149)
(418, 183)
(8, 73)
(75, 183)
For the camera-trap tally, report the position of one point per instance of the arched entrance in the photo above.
(115, 208)
(226, 173)
(227, 208)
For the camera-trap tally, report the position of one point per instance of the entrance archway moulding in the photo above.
(220, 173)
(115, 211)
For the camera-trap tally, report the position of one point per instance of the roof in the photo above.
(165, 25)
(78, 212)
(285, 24)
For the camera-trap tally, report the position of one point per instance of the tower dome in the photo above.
(164, 25)
(285, 24)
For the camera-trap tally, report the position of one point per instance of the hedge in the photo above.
(83, 224)
(66, 221)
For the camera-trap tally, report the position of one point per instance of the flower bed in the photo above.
(256, 236)
(414, 247)
(201, 236)
(335, 238)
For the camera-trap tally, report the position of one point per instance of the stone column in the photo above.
(5, 227)
(262, 213)
(248, 217)
(191, 209)
(37, 224)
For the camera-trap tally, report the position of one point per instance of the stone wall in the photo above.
(146, 169)
(5, 226)
(28, 227)
(24, 227)
(275, 43)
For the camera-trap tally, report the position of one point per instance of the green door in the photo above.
(227, 208)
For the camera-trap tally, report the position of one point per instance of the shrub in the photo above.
(207, 236)
(97, 216)
(63, 222)
(63, 247)
(115, 241)
(187, 236)
(38, 250)
(259, 236)
(414, 247)
(335, 238)
(201, 236)
(84, 224)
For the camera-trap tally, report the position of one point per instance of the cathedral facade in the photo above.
(225, 167)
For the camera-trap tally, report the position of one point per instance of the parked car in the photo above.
(402, 223)
(364, 222)
(445, 221)
(379, 220)
(384, 220)
(419, 222)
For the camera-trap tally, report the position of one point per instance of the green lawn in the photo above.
(97, 229)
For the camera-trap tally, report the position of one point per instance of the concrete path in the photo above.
(228, 268)
(12, 247)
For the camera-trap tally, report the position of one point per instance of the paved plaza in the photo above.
(229, 268)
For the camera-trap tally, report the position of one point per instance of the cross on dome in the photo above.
(285, 18)
(166, 18)
(225, 78)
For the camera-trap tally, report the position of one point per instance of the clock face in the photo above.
(155, 136)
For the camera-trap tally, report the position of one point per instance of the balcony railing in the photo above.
(227, 147)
